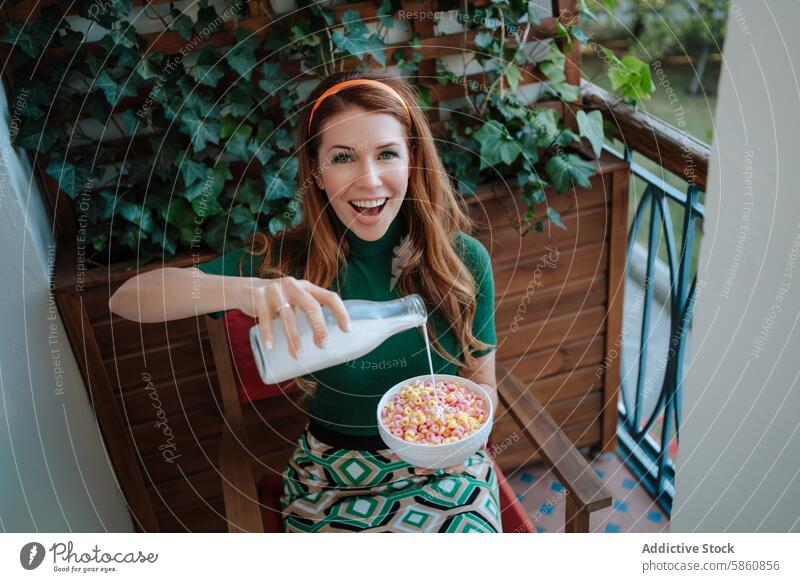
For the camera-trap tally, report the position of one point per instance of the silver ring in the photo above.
(284, 306)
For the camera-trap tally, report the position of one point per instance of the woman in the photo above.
(380, 220)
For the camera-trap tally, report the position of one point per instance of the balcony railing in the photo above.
(649, 424)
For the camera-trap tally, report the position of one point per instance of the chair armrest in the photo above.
(585, 491)
(242, 507)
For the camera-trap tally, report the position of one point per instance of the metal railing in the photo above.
(641, 410)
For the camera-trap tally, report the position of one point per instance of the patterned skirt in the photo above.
(330, 489)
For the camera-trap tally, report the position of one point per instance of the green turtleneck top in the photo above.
(347, 395)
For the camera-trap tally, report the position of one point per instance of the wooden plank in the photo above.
(589, 323)
(542, 431)
(560, 372)
(618, 247)
(505, 244)
(581, 263)
(161, 362)
(510, 209)
(533, 305)
(120, 336)
(111, 425)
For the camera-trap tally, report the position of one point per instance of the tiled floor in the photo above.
(633, 510)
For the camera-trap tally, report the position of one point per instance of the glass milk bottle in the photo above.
(371, 323)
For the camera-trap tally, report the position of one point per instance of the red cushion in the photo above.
(515, 520)
(249, 383)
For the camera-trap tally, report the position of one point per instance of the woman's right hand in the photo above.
(261, 298)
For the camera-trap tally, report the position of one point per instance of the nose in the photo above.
(370, 177)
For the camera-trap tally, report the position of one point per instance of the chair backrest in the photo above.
(249, 385)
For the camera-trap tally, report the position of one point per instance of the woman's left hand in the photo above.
(452, 470)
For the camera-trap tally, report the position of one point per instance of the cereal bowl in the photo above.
(430, 455)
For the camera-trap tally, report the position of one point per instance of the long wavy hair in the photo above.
(434, 213)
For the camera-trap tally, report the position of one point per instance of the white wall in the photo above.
(739, 458)
(54, 472)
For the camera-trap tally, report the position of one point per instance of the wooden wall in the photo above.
(153, 386)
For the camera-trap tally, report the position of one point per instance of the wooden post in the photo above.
(90, 361)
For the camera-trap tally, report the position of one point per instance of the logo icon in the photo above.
(31, 555)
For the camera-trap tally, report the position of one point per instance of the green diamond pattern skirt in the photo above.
(329, 489)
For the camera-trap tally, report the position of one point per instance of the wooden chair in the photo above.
(252, 507)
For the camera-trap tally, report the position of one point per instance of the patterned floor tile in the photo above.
(542, 497)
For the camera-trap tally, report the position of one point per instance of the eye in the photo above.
(340, 158)
(392, 154)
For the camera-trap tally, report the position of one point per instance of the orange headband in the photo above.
(349, 83)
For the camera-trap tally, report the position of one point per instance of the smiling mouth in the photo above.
(369, 207)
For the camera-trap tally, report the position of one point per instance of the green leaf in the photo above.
(242, 215)
(148, 66)
(590, 126)
(179, 214)
(545, 122)
(274, 79)
(281, 184)
(200, 131)
(496, 145)
(385, 13)
(210, 186)
(630, 77)
(204, 206)
(124, 35)
(566, 91)
(192, 171)
(30, 37)
(553, 68)
(167, 240)
(72, 179)
(361, 47)
(113, 90)
(215, 234)
(131, 121)
(183, 25)
(566, 170)
(35, 135)
(555, 218)
(238, 143)
(208, 70)
(283, 140)
(242, 58)
(514, 76)
(252, 195)
(137, 214)
(484, 40)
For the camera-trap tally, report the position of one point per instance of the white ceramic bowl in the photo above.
(430, 456)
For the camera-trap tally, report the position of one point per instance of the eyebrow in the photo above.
(344, 147)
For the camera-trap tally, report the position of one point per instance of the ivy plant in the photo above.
(158, 176)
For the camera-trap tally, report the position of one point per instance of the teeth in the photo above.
(368, 203)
